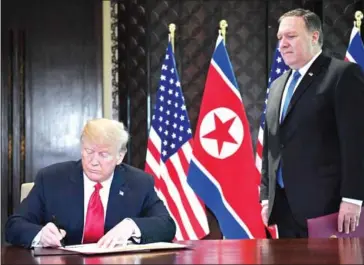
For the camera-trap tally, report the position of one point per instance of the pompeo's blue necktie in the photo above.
(290, 90)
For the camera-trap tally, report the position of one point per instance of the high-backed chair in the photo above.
(25, 189)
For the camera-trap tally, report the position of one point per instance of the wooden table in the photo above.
(302, 251)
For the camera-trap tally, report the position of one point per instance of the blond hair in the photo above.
(106, 131)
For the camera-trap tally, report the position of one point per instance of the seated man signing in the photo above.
(97, 199)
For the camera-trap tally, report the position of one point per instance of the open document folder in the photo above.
(89, 249)
(326, 227)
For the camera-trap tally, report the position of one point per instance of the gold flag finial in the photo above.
(222, 31)
(358, 17)
(172, 29)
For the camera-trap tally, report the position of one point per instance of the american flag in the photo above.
(169, 154)
(277, 69)
(355, 51)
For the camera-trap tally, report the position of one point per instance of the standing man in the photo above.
(313, 154)
(95, 200)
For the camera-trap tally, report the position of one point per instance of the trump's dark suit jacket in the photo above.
(58, 191)
(320, 143)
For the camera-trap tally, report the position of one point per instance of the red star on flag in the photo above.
(221, 133)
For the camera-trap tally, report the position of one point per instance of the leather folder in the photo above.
(326, 227)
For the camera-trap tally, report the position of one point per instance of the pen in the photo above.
(54, 221)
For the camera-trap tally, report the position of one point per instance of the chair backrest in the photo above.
(25, 189)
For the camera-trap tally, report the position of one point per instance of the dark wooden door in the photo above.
(51, 84)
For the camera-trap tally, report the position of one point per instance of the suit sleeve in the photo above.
(264, 184)
(349, 104)
(155, 223)
(22, 227)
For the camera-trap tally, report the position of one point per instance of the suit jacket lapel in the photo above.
(311, 74)
(76, 209)
(276, 96)
(274, 110)
(116, 198)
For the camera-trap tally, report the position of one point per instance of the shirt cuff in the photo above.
(137, 234)
(36, 240)
(264, 202)
(354, 201)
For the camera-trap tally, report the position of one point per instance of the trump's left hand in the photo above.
(119, 234)
(348, 218)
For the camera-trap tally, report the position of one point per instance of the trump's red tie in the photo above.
(94, 225)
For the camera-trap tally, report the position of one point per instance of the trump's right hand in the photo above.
(51, 236)
(264, 214)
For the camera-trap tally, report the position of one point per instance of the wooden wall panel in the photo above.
(51, 85)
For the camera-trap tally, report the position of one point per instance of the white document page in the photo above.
(94, 249)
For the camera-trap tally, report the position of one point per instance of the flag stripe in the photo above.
(161, 189)
(153, 153)
(199, 210)
(189, 197)
(187, 215)
(162, 186)
(153, 167)
(259, 148)
(183, 160)
(227, 80)
(213, 188)
(355, 50)
(166, 186)
(258, 163)
(349, 58)
(174, 192)
(178, 230)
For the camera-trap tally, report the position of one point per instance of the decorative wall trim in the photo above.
(110, 59)
(115, 59)
(106, 60)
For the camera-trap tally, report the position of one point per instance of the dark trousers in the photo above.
(288, 227)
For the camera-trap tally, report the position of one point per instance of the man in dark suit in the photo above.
(97, 199)
(313, 154)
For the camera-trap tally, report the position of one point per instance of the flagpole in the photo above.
(358, 18)
(222, 30)
(172, 29)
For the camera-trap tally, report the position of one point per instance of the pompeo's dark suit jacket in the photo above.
(320, 143)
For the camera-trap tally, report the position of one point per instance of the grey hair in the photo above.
(312, 21)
